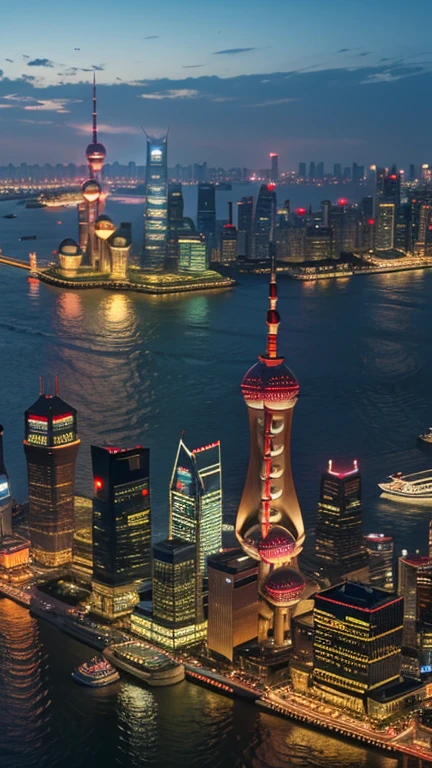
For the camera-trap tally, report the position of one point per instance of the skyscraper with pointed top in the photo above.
(51, 446)
(269, 522)
(156, 205)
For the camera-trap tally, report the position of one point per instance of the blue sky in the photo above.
(318, 79)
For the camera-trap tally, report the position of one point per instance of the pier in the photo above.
(11, 262)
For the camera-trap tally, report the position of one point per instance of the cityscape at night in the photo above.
(215, 440)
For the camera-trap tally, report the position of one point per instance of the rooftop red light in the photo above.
(271, 187)
(98, 484)
(371, 222)
(301, 211)
(342, 201)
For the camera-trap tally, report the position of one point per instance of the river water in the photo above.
(140, 369)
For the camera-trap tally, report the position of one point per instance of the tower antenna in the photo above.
(94, 110)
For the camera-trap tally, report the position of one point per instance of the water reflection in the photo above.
(69, 310)
(137, 725)
(24, 701)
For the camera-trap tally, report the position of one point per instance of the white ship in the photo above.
(417, 485)
(426, 436)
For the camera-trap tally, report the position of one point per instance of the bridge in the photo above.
(10, 262)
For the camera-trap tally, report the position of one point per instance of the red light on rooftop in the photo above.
(273, 154)
(271, 187)
(342, 201)
(371, 222)
(98, 484)
(393, 177)
(301, 211)
(144, 492)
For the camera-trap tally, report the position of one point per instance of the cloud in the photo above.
(9, 60)
(193, 66)
(151, 37)
(1, 73)
(84, 129)
(272, 102)
(343, 50)
(21, 101)
(25, 56)
(40, 63)
(230, 51)
(174, 93)
(366, 53)
(98, 67)
(28, 78)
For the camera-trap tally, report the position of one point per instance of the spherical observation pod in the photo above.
(91, 191)
(284, 586)
(277, 547)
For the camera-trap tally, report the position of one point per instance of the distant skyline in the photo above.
(337, 81)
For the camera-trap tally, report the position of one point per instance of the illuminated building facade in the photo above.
(120, 244)
(192, 253)
(173, 622)
(385, 226)
(51, 446)
(339, 539)
(196, 500)
(343, 220)
(104, 228)
(156, 205)
(232, 603)
(228, 240)
(264, 222)
(175, 221)
(245, 227)
(269, 523)
(82, 548)
(69, 257)
(121, 528)
(5, 494)
(415, 585)
(274, 170)
(91, 192)
(357, 643)
(379, 548)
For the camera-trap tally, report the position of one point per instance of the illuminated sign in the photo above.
(156, 155)
(4, 488)
(426, 669)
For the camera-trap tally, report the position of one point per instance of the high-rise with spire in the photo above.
(90, 208)
(156, 205)
(269, 523)
(51, 446)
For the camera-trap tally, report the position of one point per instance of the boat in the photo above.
(28, 237)
(9, 216)
(417, 485)
(427, 436)
(96, 673)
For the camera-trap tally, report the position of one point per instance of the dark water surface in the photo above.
(141, 369)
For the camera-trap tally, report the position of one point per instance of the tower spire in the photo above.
(273, 318)
(94, 110)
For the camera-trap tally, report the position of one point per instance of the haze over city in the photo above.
(233, 81)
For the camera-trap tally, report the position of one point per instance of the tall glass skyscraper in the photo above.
(121, 528)
(264, 222)
(156, 205)
(206, 214)
(196, 500)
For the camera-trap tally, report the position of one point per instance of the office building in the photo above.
(5, 494)
(379, 548)
(339, 543)
(337, 171)
(175, 221)
(51, 446)
(233, 602)
(196, 500)
(274, 170)
(302, 171)
(82, 549)
(245, 228)
(156, 205)
(228, 243)
(344, 226)
(264, 223)
(320, 170)
(172, 621)
(269, 523)
(121, 528)
(385, 226)
(318, 243)
(312, 170)
(415, 586)
(192, 253)
(357, 173)
(206, 214)
(357, 643)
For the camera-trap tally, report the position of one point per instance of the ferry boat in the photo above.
(417, 485)
(96, 673)
(427, 436)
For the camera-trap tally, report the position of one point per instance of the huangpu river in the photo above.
(141, 369)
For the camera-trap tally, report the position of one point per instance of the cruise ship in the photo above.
(417, 485)
(96, 673)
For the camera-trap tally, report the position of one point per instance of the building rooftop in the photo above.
(395, 690)
(360, 596)
(418, 560)
(174, 550)
(233, 561)
(50, 405)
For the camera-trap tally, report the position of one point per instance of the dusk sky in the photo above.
(336, 81)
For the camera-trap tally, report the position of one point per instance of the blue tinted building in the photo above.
(156, 205)
(264, 222)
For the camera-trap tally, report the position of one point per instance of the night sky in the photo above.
(314, 80)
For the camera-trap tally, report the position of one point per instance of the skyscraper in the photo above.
(228, 243)
(95, 152)
(379, 548)
(344, 225)
(196, 500)
(302, 171)
(175, 220)
(339, 540)
(121, 528)
(264, 222)
(245, 227)
(385, 226)
(173, 621)
(233, 602)
(269, 523)
(120, 244)
(206, 214)
(415, 586)
(357, 644)
(192, 253)
(156, 205)
(274, 170)
(5, 494)
(51, 445)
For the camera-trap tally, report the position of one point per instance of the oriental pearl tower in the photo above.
(95, 152)
(269, 523)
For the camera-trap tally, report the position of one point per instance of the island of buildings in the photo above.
(327, 641)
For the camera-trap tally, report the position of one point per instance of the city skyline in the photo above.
(211, 83)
